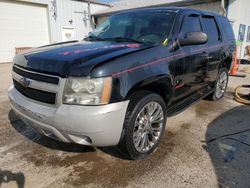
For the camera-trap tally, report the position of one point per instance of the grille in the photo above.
(44, 88)
(36, 76)
(35, 94)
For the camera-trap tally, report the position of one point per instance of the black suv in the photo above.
(118, 85)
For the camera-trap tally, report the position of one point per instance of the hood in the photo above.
(74, 58)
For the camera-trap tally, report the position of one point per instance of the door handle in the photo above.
(209, 57)
(206, 56)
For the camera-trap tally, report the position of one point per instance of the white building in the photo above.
(31, 23)
(237, 11)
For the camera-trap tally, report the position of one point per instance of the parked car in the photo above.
(119, 85)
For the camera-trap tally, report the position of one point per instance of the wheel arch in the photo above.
(226, 63)
(161, 85)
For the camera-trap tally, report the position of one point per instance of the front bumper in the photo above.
(87, 125)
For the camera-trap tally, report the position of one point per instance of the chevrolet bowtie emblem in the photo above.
(24, 81)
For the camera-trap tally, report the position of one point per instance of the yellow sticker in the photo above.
(165, 41)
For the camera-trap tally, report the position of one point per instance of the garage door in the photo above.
(21, 25)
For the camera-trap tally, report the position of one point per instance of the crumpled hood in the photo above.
(74, 59)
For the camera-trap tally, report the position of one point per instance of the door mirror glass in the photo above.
(193, 38)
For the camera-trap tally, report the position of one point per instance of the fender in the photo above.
(137, 70)
(227, 57)
(161, 84)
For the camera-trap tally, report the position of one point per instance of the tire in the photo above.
(220, 86)
(138, 128)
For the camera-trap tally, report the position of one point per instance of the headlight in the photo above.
(87, 91)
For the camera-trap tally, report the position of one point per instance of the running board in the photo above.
(180, 107)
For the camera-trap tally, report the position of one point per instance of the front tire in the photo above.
(144, 125)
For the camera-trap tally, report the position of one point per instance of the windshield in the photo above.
(149, 27)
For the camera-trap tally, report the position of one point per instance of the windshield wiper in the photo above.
(124, 39)
(117, 39)
(93, 38)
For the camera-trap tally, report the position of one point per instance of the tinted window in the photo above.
(210, 28)
(227, 28)
(151, 27)
(190, 24)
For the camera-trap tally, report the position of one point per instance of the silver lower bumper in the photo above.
(87, 125)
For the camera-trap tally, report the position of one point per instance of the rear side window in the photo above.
(227, 28)
(190, 24)
(211, 29)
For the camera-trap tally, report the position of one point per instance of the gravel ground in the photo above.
(207, 145)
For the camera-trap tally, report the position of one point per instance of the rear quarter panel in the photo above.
(228, 47)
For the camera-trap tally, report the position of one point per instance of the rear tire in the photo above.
(144, 125)
(220, 86)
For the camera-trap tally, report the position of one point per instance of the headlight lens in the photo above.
(87, 91)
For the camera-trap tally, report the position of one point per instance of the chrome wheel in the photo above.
(148, 127)
(221, 84)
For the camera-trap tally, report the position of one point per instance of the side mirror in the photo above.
(193, 38)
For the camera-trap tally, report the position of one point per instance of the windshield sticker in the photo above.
(98, 48)
(165, 41)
